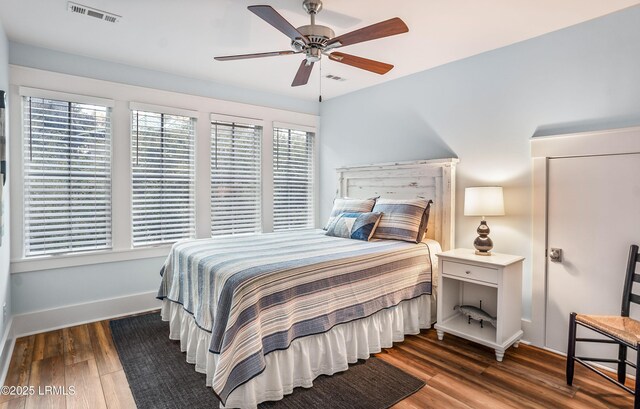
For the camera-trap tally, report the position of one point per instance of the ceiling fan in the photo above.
(315, 40)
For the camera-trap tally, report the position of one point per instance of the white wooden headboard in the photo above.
(430, 179)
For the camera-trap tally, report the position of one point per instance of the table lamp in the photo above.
(483, 201)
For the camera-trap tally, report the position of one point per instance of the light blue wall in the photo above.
(4, 249)
(484, 109)
(50, 60)
(42, 290)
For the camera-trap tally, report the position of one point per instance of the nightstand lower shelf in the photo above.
(458, 325)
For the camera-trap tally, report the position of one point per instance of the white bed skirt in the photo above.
(307, 357)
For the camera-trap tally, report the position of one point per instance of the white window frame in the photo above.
(215, 117)
(28, 92)
(64, 96)
(160, 109)
(316, 166)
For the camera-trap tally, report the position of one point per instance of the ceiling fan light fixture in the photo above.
(314, 54)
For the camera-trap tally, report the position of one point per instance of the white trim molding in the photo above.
(87, 258)
(295, 127)
(161, 109)
(237, 119)
(7, 344)
(62, 317)
(609, 142)
(57, 95)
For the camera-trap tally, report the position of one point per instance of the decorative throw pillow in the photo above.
(346, 205)
(359, 226)
(402, 219)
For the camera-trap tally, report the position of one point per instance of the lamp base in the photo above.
(483, 243)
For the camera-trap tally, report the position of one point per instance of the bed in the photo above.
(263, 314)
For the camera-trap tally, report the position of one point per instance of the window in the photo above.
(235, 178)
(67, 176)
(292, 179)
(163, 171)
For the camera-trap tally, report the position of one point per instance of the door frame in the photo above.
(598, 143)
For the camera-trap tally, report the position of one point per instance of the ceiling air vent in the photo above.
(335, 77)
(91, 12)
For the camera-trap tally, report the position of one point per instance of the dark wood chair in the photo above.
(620, 330)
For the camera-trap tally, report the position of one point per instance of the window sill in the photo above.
(82, 259)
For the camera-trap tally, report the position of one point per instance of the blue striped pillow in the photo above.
(402, 219)
(346, 205)
(359, 226)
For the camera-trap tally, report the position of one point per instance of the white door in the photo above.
(593, 216)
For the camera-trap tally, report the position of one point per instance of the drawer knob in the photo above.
(468, 272)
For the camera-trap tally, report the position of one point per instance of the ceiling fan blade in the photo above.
(268, 14)
(362, 63)
(379, 30)
(303, 74)
(257, 55)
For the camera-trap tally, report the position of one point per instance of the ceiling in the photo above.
(183, 36)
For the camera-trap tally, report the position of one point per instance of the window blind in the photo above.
(292, 179)
(235, 178)
(67, 176)
(163, 173)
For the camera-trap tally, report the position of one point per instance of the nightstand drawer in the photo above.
(488, 275)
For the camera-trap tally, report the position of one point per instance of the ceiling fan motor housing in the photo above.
(317, 36)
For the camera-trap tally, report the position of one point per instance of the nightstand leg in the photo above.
(440, 334)
(499, 355)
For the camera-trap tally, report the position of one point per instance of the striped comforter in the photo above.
(256, 294)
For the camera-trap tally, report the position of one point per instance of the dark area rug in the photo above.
(160, 377)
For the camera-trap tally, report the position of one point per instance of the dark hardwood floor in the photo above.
(459, 374)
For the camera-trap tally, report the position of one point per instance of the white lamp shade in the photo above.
(483, 201)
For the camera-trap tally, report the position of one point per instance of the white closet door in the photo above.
(593, 216)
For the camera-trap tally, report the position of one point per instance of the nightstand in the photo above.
(496, 280)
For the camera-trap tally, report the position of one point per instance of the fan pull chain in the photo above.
(320, 92)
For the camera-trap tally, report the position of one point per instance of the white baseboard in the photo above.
(528, 330)
(47, 320)
(7, 343)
